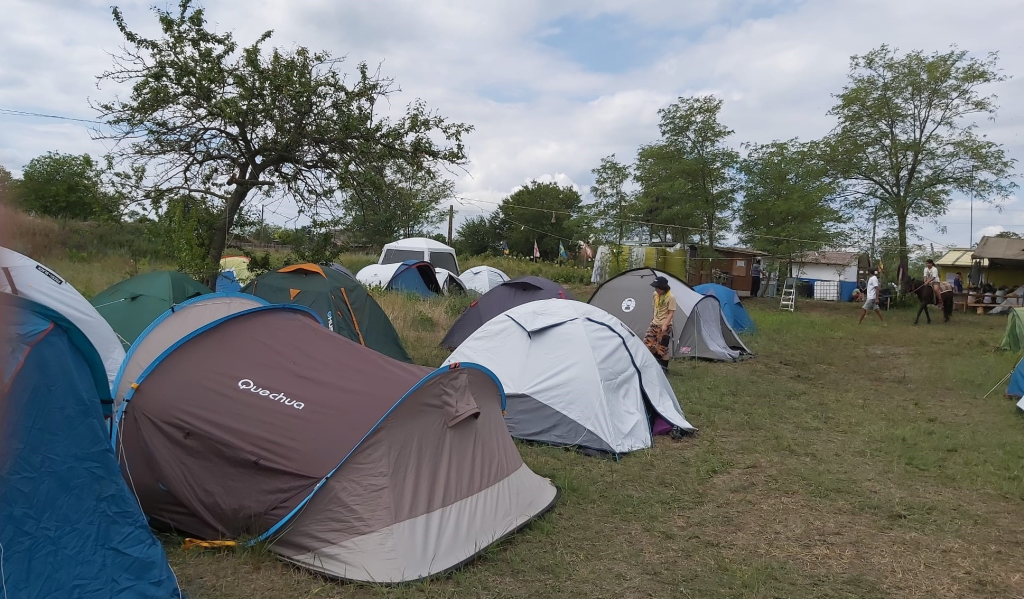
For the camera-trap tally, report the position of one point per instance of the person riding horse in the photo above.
(931, 277)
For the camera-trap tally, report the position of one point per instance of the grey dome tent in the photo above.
(604, 393)
(701, 330)
(503, 297)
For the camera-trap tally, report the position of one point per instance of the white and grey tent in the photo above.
(701, 330)
(574, 375)
(23, 276)
(483, 278)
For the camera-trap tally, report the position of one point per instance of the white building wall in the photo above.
(826, 272)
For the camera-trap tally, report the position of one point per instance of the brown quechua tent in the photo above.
(265, 424)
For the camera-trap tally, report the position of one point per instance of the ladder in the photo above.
(788, 295)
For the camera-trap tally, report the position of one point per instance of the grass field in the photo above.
(843, 461)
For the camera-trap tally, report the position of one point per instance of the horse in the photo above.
(926, 296)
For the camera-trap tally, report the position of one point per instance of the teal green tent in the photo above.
(339, 299)
(133, 304)
(1013, 339)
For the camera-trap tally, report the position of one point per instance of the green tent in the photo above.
(133, 304)
(340, 300)
(1013, 340)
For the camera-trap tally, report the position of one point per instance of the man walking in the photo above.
(872, 299)
(659, 335)
(755, 277)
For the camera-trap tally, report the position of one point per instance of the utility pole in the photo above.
(451, 220)
(263, 225)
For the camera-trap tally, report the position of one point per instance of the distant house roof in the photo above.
(959, 258)
(829, 258)
(1000, 249)
(734, 250)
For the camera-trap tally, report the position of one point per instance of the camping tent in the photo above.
(69, 527)
(450, 284)
(503, 297)
(735, 314)
(133, 304)
(24, 277)
(345, 461)
(483, 278)
(418, 278)
(174, 325)
(574, 375)
(340, 301)
(701, 330)
(1013, 339)
(420, 249)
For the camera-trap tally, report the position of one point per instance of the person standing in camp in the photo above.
(659, 335)
(931, 277)
(872, 299)
(755, 277)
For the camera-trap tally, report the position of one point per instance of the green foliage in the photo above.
(66, 186)
(313, 246)
(906, 139)
(404, 202)
(188, 229)
(616, 211)
(8, 187)
(543, 212)
(1009, 235)
(789, 200)
(478, 236)
(689, 177)
(226, 123)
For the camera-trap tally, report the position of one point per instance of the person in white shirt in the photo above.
(931, 277)
(872, 299)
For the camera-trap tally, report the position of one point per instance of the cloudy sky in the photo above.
(550, 85)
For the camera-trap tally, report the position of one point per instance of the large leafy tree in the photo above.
(226, 123)
(478, 235)
(791, 203)
(8, 186)
(616, 212)
(907, 139)
(545, 212)
(689, 177)
(406, 203)
(66, 186)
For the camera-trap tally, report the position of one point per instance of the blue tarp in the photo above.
(735, 314)
(69, 525)
(227, 283)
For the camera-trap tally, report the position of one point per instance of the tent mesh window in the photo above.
(393, 256)
(444, 260)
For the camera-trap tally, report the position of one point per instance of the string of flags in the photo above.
(585, 250)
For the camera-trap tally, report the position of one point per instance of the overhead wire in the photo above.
(820, 243)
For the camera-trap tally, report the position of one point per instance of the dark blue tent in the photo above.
(416, 277)
(69, 526)
(227, 283)
(735, 314)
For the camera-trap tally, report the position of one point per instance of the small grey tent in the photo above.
(701, 330)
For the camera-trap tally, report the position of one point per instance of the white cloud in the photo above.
(538, 113)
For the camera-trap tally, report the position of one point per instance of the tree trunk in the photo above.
(220, 232)
(901, 221)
